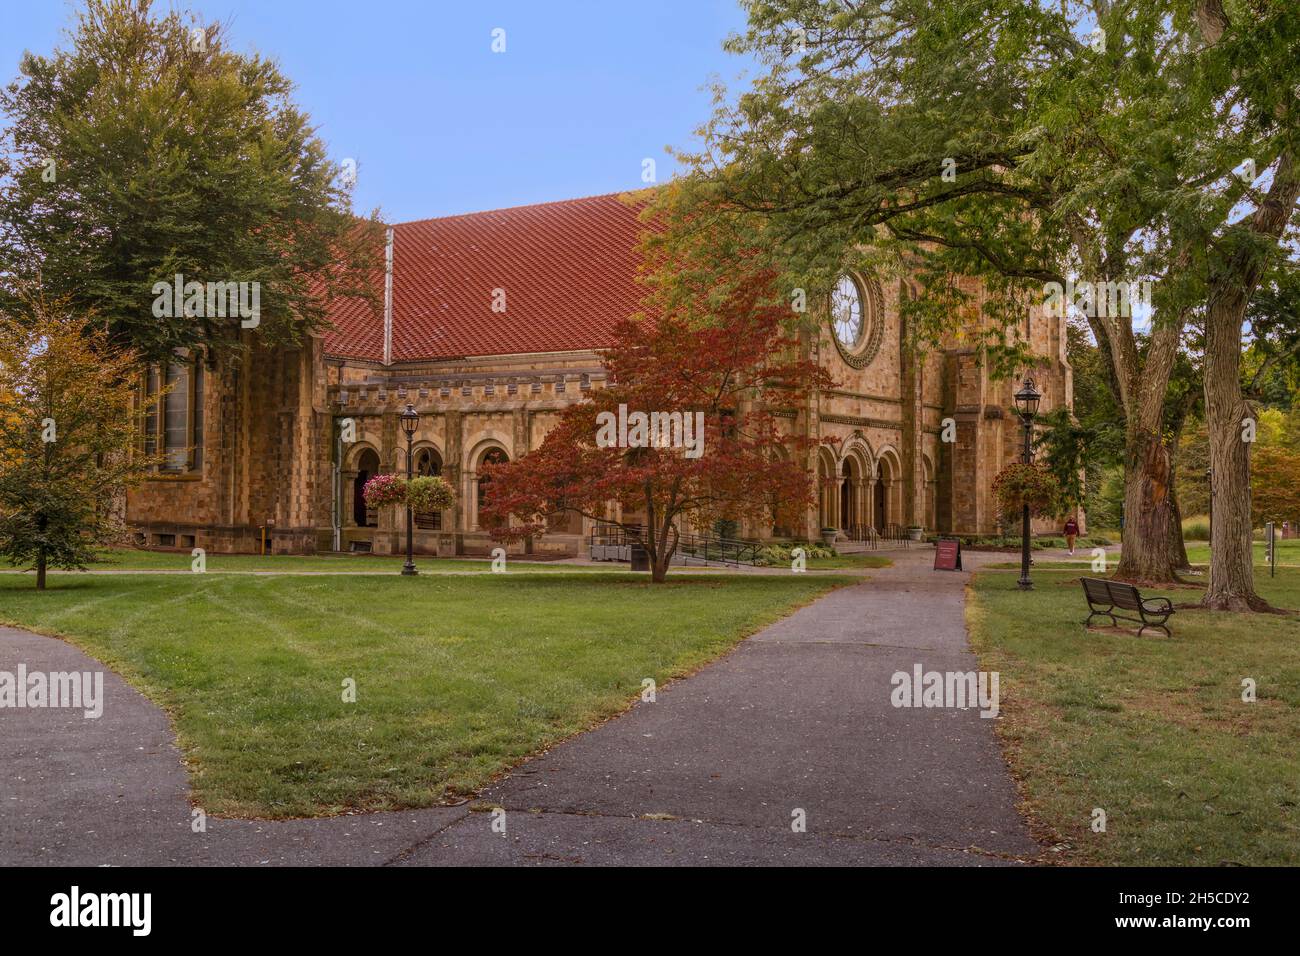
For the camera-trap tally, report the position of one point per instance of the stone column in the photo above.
(471, 500)
(453, 472)
(347, 482)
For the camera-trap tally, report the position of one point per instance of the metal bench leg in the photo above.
(1092, 614)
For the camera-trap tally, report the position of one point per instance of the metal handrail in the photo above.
(706, 547)
(875, 538)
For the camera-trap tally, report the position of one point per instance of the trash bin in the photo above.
(640, 557)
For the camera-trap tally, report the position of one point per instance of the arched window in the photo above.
(428, 462)
(367, 468)
(490, 457)
(848, 513)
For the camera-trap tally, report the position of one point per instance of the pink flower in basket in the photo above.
(383, 490)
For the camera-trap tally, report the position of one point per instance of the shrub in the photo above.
(780, 554)
(1196, 528)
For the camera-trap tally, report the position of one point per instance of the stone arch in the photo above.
(859, 448)
(854, 467)
(363, 464)
(427, 459)
(887, 490)
(827, 470)
(352, 456)
(487, 450)
(487, 440)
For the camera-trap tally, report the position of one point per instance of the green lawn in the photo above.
(1151, 730)
(137, 560)
(1288, 553)
(457, 677)
(1198, 552)
(140, 560)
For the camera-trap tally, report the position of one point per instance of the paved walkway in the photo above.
(797, 718)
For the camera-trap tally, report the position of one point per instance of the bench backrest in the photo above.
(1124, 595)
(1096, 590)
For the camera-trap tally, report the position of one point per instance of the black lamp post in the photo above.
(1026, 407)
(409, 418)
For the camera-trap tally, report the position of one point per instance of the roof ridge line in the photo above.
(527, 205)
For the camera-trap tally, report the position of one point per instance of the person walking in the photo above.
(1071, 532)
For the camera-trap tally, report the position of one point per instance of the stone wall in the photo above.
(272, 418)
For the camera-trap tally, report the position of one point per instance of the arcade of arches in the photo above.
(862, 493)
(272, 461)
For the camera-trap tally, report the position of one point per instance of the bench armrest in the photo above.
(1162, 605)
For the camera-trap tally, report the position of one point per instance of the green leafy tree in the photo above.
(148, 148)
(68, 438)
(1271, 363)
(1029, 144)
(1275, 492)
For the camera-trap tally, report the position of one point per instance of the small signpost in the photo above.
(947, 554)
(1270, 548)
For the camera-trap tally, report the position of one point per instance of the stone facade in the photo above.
(275, 472)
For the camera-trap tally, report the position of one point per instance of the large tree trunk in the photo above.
(1144, 557)
(1139, 384)
(1232, 573)
(1232, 283)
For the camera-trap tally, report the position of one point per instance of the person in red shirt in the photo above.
(1071, 532)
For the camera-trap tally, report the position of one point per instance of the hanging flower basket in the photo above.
(1019, 484)
(429, 493)
(423, 494)
(383, 490)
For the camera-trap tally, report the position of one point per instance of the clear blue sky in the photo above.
(440, 124)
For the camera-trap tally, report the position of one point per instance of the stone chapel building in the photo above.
(253, 451)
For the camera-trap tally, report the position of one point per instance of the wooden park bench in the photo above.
(1105, 596)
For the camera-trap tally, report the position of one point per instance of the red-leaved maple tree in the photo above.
(741, 369)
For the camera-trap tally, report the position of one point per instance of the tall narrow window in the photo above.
(173, 426)
(176, 430)
(196, 418)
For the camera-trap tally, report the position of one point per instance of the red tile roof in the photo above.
(568, 270)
